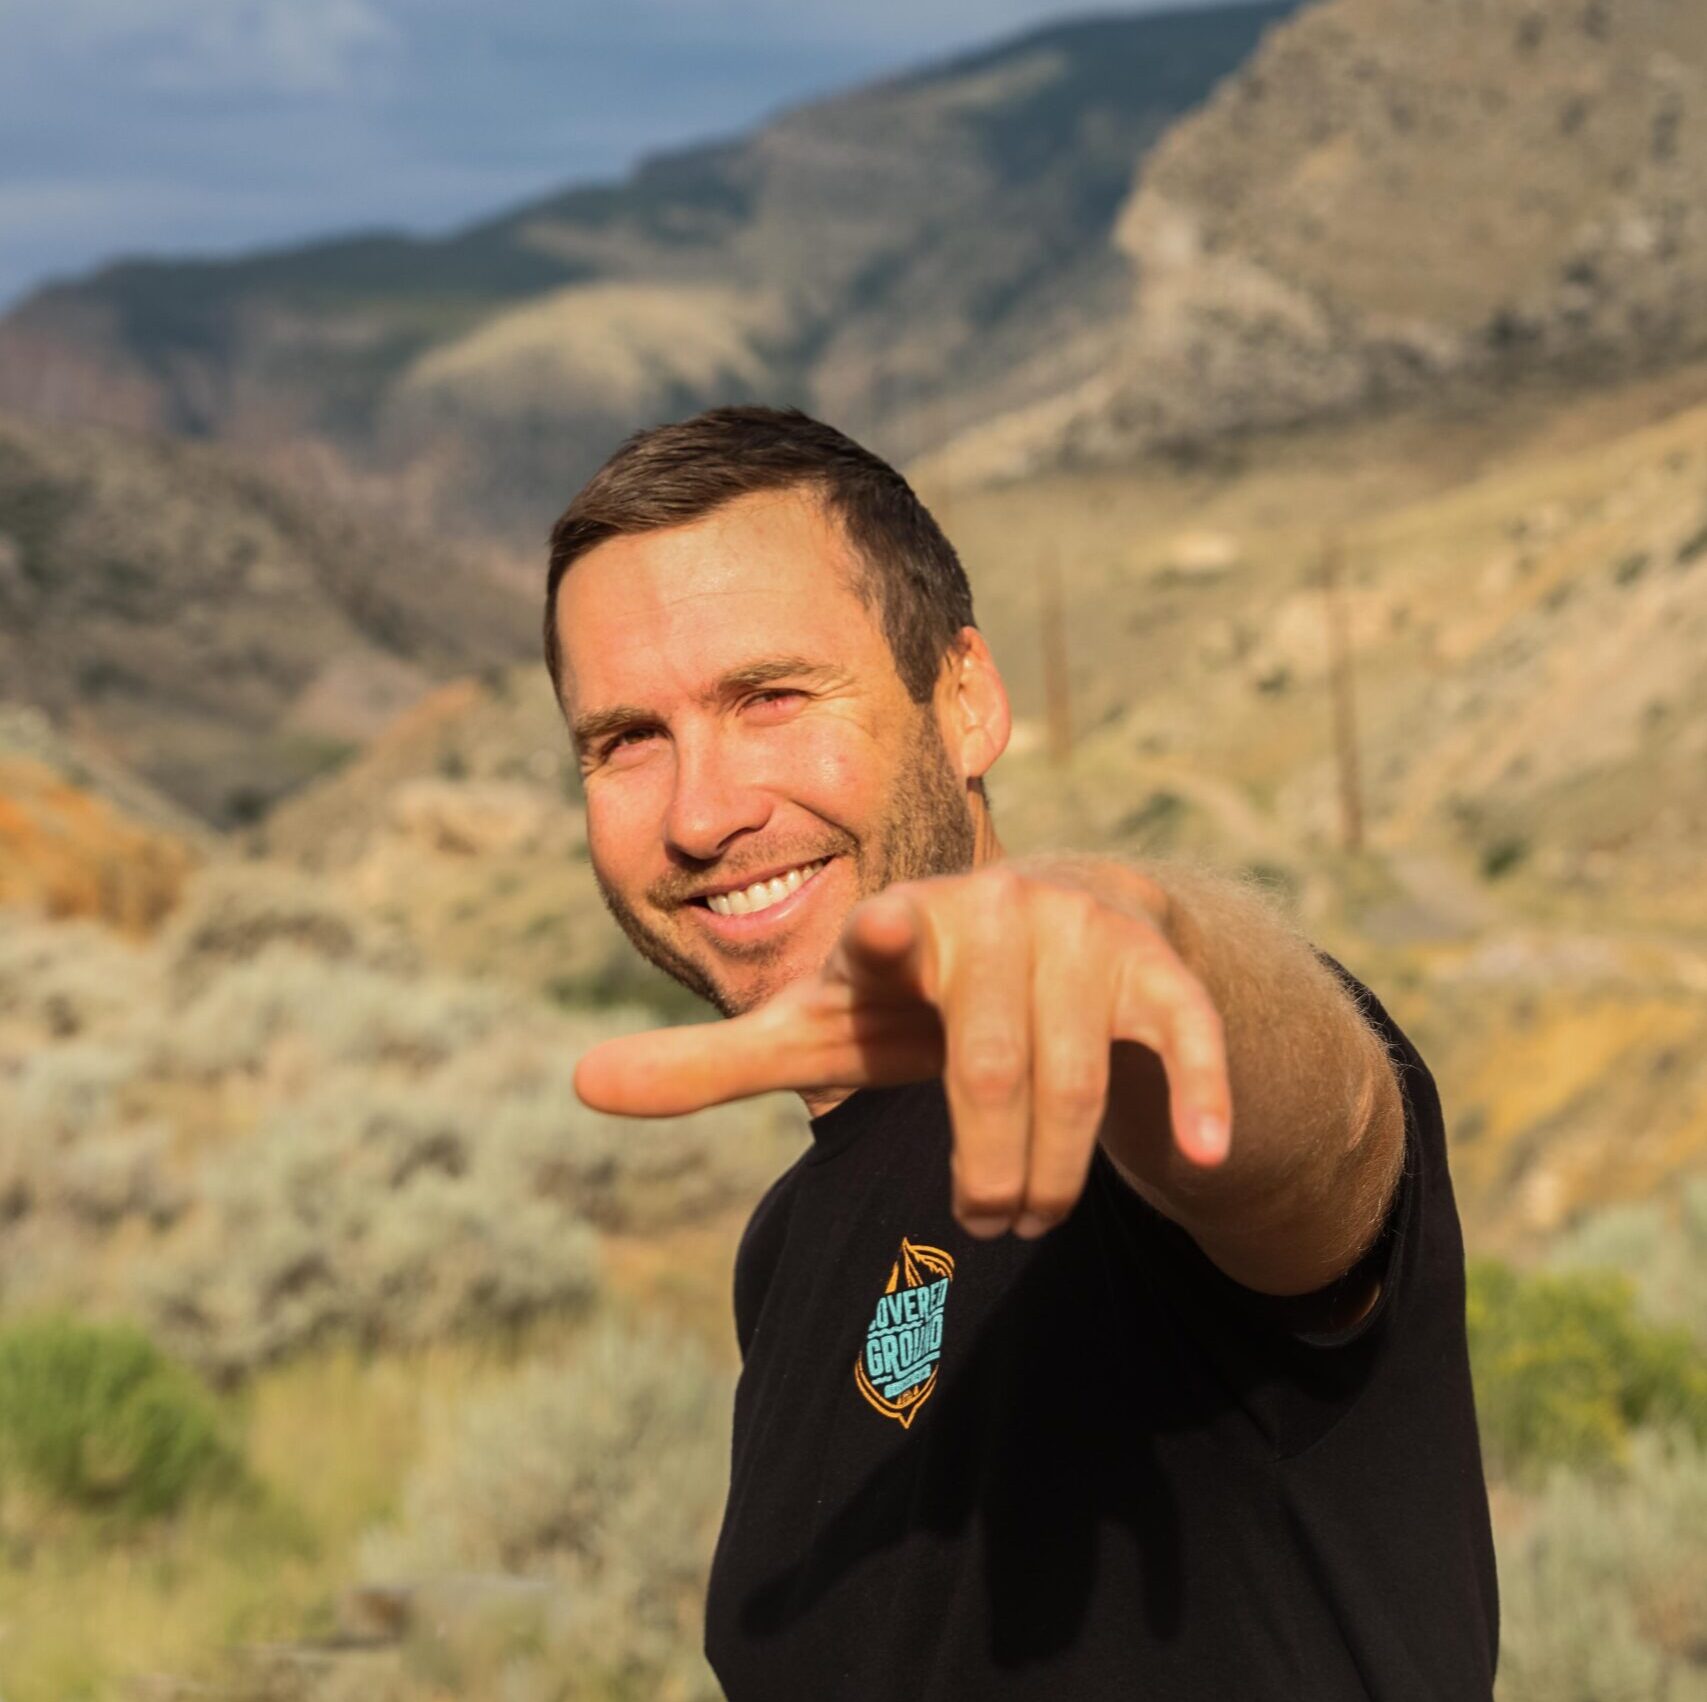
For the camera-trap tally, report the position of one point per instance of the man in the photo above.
(1108, 1341)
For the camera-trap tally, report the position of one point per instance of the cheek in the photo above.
(836, 772)
(624, 830)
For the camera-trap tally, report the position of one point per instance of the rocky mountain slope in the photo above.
(1393, 196)
(905, 258)
(198, 625)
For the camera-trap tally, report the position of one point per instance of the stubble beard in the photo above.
(928, 830)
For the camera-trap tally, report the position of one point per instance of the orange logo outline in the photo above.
(909, 1270)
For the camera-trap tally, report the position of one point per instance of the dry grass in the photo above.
(331, 1439)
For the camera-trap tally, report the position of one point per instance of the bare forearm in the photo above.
(1317, 1121)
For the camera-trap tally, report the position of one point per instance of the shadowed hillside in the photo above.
(904, 257)
(211, 632)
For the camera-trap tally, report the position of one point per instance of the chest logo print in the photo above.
(896, 1370)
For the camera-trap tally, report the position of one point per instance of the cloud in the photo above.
(156, 126)
(286, 47)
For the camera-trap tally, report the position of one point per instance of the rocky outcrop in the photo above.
(1394, 196)
(65, 851)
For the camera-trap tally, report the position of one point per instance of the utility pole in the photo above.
(1057, 682)
(1343, 697)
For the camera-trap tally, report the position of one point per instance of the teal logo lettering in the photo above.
(897, 1369)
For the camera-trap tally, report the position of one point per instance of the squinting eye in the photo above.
(780, 694)
(628, 739)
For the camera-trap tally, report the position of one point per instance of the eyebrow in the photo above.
(598, 724)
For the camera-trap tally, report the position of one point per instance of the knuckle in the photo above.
(1198, 1001)
(1145, 938)
(1074, 906)
(989, 1196)
(991, 1073)
(989, 1086)
(1202, 1027)
(1074, 1090)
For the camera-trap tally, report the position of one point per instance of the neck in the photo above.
(986, 847)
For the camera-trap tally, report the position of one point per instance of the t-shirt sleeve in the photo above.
(1295, 1380)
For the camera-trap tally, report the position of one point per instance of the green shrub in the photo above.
(277, 1134)
(233, 911)
(1603, 1580)
(97, 1417)
(1501, 857)
(371, 1211)
(602, 1476)
(61, 977)
(1566, 1369)
(1660, 1245)
(346, 1011)
(624, 980)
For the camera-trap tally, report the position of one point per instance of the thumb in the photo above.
(667, 1072)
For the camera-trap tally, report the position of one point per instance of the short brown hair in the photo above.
(669, 475)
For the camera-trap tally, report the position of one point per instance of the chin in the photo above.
(759, 987)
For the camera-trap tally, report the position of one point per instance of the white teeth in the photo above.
(761, 895)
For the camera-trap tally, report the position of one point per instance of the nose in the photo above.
(711, 802)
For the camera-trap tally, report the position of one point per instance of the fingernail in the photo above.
(1213, 1136)
(984, 1227)
(1030, 1225)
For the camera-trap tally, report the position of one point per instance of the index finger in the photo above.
(668, 1072)
(885, 947)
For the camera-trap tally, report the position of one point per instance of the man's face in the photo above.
(739, 720)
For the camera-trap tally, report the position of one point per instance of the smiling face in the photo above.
(753, 763)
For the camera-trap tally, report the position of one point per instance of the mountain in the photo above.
(904, 258)
(1393, 197)
(191, 621)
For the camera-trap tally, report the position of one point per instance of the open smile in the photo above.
(760, 905)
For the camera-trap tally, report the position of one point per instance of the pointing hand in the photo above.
(1012, 988)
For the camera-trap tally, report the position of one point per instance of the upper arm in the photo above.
(1350, 1296)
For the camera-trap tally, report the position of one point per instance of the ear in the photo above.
(975, 704)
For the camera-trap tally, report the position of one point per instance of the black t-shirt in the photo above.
(1090, 1465)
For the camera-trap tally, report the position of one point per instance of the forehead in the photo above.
(768, 574)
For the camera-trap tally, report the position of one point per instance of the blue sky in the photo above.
(213, 126)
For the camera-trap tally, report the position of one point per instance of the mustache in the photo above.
(679, 886)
